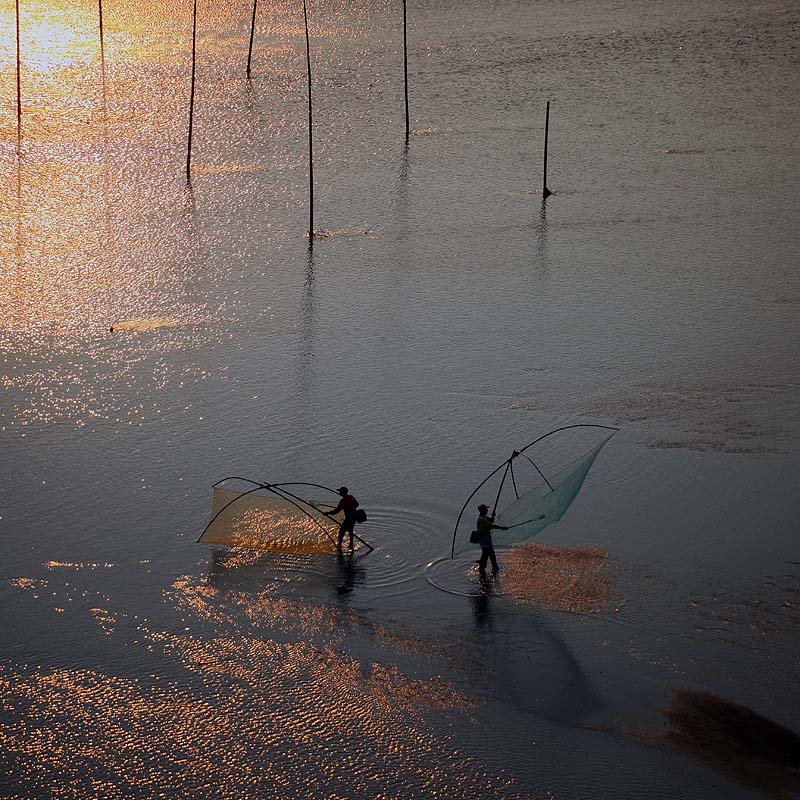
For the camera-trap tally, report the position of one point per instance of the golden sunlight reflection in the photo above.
(275, 718)
(301, 715)
(558, 578)
(266, 523)
(54, 35)
(216, 599)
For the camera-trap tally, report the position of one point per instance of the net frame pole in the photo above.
(464, 507)
(500, 488)
(267, 487)
(279, 490)
(355, 535)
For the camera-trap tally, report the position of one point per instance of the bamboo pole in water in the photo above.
(405, 64)
(19, 79)
(545, 191)
(252, 33)
(191, 93)
(102, 56)
(310, 132)
(100, 11)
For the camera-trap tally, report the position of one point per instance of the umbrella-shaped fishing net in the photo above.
(534, 487)
(271, 517)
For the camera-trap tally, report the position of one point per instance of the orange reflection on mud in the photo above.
(277, 718)
(266, 523)
(558, 578)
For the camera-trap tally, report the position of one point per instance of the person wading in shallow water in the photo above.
(484, 528)
(348, 504)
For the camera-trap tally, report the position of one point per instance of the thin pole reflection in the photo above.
(306, 354)
(541, 239)
(20, 247)
(106, 149)
(308, 321)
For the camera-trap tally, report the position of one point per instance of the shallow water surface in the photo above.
(157, 336)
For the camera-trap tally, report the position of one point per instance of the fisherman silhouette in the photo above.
(484, 528)
(348, 504)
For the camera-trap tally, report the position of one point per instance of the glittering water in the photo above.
(156, 337)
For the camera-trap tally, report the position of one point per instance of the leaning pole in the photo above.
(19, 79)
(545, 191)
(405, 65)
(310, 133)
(191, 94)
(252, 33)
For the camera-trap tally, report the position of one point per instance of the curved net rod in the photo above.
(566, 428)
(275, 488)
(466, 502)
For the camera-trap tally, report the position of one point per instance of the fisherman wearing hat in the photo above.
(484, 528)
(348, 504)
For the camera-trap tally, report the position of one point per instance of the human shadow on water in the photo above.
(481, 603)
(350, 573)
(523, 662)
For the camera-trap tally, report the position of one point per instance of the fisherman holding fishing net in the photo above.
(349, 505)
(483, 536)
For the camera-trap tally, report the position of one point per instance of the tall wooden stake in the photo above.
(191, 94)
(310, 132)
(405, 64)
(19, 80)
(100, 10)
(252, 33)
(102, 56)
(545, 191)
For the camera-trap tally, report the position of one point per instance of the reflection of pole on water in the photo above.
(310, 133)
(105, 116)
(405, 64)
(191, 93)
(541, 238)
(252, 33)
(545, 191)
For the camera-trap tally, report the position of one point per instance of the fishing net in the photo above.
(535, 486)
(541, 506)
(265, 522)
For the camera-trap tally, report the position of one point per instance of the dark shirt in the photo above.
(348, 504)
